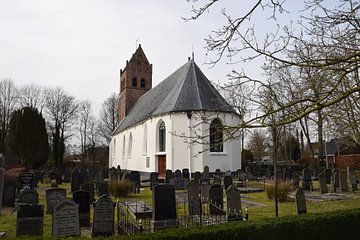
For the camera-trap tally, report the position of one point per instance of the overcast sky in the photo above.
(81, 45)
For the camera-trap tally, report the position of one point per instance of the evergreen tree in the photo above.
(28, 137)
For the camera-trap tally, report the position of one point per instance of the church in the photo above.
(181, 123)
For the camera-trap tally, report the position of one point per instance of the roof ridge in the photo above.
(196, 79)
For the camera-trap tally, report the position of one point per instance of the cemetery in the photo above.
(83, 205)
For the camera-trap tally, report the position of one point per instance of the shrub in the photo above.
(284, 187)
(120, 188)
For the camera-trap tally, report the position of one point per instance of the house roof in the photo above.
(187, 89)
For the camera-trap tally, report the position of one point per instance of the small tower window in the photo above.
(134, 82)
(142, 83)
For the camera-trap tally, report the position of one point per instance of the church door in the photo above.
(162, 165)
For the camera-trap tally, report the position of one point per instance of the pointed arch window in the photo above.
(134, 82)
(130, 146)
(216, 136)
(142, 83)
(162, 137)
(123, 147)
(145, 140)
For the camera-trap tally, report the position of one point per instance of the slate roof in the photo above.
(187, 89)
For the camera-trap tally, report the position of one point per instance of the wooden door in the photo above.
(162, 165)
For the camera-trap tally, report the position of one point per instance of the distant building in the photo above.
(156, 123)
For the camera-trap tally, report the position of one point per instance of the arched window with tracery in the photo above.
(130, 145)
(162, 137)
(216, 136)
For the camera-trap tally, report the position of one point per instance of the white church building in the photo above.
(180, 123)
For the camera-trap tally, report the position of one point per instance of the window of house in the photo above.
(216, 136)
(147, 162)
(123, 147)
(145, 139)
(142, 83)
(162, 137)
(130, 145)
(134, 82)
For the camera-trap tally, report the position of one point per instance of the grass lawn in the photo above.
(8, 218)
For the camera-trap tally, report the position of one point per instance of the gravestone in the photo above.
(26, 181)
(233, 204)
(67, 175)
(168, 176)
(103, 217)
(2, 173)
(194, 203)
(335, 177)
(343, 181)
(65, 219)
(300, 201)
(135, 179)
(29, 220)
(295, 180)
(307, 180)
(352, 179)
(53, 197)
(154, 179)
(89, 186)
(228, 173)
(204, 190)
(197, 176)
(323, 183)
(82, 198)
(164, 206)
(28, 196)
(216, 201)
(9, 193)
(75, 181)
(205, 177)
(228, 181)
(179, 181)
(186, 176)
(102, 188)
(328, 176)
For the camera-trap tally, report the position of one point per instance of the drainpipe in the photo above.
(189, 137)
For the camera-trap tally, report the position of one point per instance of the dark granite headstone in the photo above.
(102, 188)
(178, 180)
(233, 204)
(82, 198)
(154, 179)
(204, 189)
(343, 181)
(186, 176)
(65, 219)
(193, 192)
(29, 220)
(26, 181)
(103, 218)
(228, 181)
(89, 186)
(335, 178)
(300, 201)
(168, 176)
(197, 176)
(323, 183)
(53, 197)
(28, 196)
(135, 179)
(75, 181)
(9, 193)
(205, 176)
(295, 180)
(228, 173)
(307, 179)
(216, 201)
(164, 206)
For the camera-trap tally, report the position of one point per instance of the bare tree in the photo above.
(257, 144)
(85, 117)
(109, 118)
(93, 136)
(31, 95)
(8, 100)
(61, 110)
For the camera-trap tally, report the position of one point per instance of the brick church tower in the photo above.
(135, 81)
